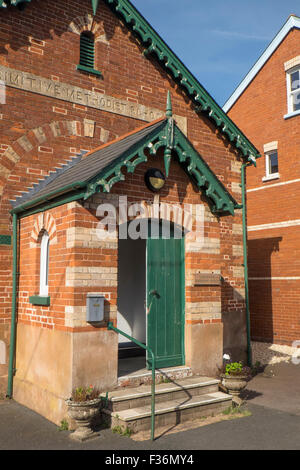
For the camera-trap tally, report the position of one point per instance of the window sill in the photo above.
(275, 176)
(83, 68)
(39, 300)
(292, 114)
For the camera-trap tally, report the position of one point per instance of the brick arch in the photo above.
(165, 212)
(44, 221)
(87, 23)
(37, 140)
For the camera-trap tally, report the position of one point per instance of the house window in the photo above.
(44, 265)
(271, 165)
(293, 88)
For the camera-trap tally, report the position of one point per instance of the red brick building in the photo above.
(83, 119)
(265, 106)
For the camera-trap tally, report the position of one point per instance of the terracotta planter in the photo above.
(235, 384)
(83, 413)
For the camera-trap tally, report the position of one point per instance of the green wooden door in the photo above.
(165, 300)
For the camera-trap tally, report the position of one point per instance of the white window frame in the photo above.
(44, 264)
(270, 176)
(290, 93)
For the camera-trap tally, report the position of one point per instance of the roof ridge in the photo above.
(288, 25)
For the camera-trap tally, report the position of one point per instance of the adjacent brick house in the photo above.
(84, 119)
(265, 106)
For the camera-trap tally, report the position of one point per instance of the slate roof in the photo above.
(84, 168)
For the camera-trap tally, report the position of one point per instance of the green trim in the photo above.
(220, 199)
(201, 98)
(45, 206)
(15, 3)
(83, 68)
(87, 49)
(182, 286)
(110, 326)
(245, 254)
(12, 344)
(5, 239)
(38, 300)
(21, 4)
(51, 195)
(95, 6)
(112, 174)
(154, 44)
(169, 108)
(206, 180)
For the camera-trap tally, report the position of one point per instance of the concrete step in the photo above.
(169, 412)
(144, 376)
(134, 397)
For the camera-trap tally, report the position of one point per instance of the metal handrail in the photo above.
(111, 327)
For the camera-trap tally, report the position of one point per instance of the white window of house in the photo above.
(44, 265)
(271, 165)
(271, 161)
(293, 90)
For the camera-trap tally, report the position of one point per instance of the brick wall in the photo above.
(273, 208)
(80, 261)
(39, 133)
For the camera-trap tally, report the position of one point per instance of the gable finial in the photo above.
(169, 134)
(169, 112)
(95, 6)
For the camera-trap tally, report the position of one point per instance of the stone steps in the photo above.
(175, 402)
(134, 397)
(145, 377)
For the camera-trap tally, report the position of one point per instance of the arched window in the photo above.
(44, 264)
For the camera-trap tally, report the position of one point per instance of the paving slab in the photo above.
(273, 425)
(278, 387)
(23, 429)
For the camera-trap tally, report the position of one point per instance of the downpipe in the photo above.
(245, 254)
(12, 346)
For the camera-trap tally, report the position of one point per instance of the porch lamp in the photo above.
(154, 179)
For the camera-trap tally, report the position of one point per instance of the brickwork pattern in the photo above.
(45, 133)
(273, 252)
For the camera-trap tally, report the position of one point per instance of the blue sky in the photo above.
(218, 40)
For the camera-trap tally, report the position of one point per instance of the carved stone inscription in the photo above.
(62, 91)
(206, 279)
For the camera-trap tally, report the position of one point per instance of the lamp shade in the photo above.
(154, 179)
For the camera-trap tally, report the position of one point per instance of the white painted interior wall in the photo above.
(132, 289)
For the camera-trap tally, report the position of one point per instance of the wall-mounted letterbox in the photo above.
(94, 308)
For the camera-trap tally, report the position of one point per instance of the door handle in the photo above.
(154, 292)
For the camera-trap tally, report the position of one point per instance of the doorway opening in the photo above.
(151, 295)
(131, 316)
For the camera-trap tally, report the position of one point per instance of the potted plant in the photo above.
(83, 406)
(234, 377)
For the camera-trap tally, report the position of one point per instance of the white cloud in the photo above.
(235, 34)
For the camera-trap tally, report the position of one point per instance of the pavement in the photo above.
(273, 398)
